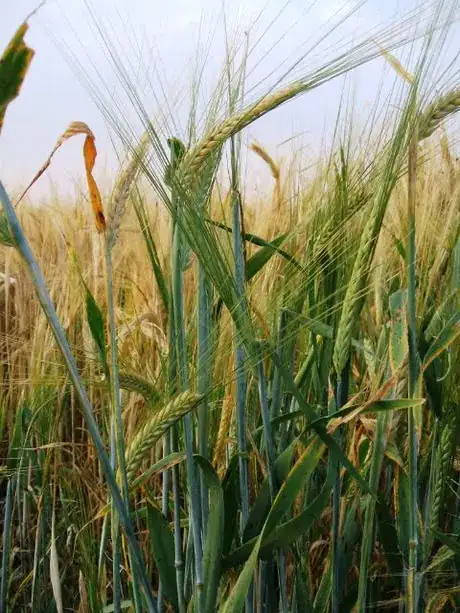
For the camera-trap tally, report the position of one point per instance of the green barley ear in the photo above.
(155, 428)
(437, 111)
(356, 288)
(195, 158)
(139, 385)
(123, 188)
(440, 469)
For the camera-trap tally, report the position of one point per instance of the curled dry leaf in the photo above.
(89, 156)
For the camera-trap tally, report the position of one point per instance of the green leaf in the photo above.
(162, 544)
(323, 594)
(334, 449)
(97, 328)
(301, 591)
(230, 487)
(282, 535)
(452, 542)
(378, 406)
(235, 601)
(139, 208)
(261, 506)
(256, 240)
(444, 339)
(399, 345)
(325, 330)
(286, 533)
(402, 507)
(283, 501)
(18, 438)
(14, 64)
(257, 261)
(124, 604)
(388, 538)
(212, 554)
(164, 464)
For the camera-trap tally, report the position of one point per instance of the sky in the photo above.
(161, 44)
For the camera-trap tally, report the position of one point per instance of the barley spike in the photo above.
(139, 385)
(123, 189)
(438, 110)
(195, 157)
(155, 427)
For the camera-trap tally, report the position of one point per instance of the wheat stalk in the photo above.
(155, 427)
(437, 111)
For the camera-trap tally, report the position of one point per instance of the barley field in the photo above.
(213, 401)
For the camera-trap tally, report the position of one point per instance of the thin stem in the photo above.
(7, 532)
(195, 510)
(178, 558)
(119, 459)
(171, 443)
(412, 596)
(341, 400)
(203, 383)
(368, 532)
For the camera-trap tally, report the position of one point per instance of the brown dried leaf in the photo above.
(89, 156)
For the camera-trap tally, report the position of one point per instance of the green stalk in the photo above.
(175, 478)
(178, 557)
(195, 511)
(114, 527)
(164, 507)
(434, 476)
(42, 293)
(203, 382)
(271, 456)
(412, 591)
(119, 460)
(378, 453)
(334, 468)
(276, 385)
(240, 396)
(102, 546)
(7, 532)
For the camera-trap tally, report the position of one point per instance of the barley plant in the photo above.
(216, 402)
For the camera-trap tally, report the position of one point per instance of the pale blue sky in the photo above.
(158, 40)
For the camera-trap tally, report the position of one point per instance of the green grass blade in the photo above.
(212, 553)
(162, 543)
